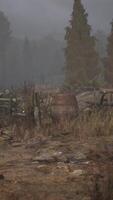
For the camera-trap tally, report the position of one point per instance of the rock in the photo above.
(45, 169)
(76, 173)
(80, 156)
(52, 156)
(60, 157)
(77, 158)
(16, 144)
(2, 177)
(62, 167)
(48, 157)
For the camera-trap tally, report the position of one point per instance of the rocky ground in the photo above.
(58, 167)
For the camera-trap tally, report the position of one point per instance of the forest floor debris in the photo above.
(53, 168)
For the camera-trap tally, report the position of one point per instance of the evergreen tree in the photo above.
(5, 36)
(27, 59)
(101, 43)
(15, 62)
(109, 59)
(81, 57)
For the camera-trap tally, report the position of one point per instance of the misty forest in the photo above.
(42, 59)
(56, 100)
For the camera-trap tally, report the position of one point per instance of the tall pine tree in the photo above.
(5, 37)
(109, 59)
(81, 57)
(27, 59)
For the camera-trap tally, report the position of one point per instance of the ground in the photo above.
(58, 167)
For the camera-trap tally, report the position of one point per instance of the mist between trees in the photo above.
(83, 62)
(28, 60)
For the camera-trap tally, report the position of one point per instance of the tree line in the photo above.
(25, 59)
(28, 60)
(83, 63)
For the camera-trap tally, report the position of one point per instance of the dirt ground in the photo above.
(51, 168)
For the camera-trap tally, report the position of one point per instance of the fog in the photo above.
(37, 18)
(44, 22)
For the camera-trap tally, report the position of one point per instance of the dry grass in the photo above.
(95, 125)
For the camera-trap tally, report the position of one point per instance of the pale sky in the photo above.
(41, 17)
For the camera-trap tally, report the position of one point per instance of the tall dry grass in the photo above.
(97, 124)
